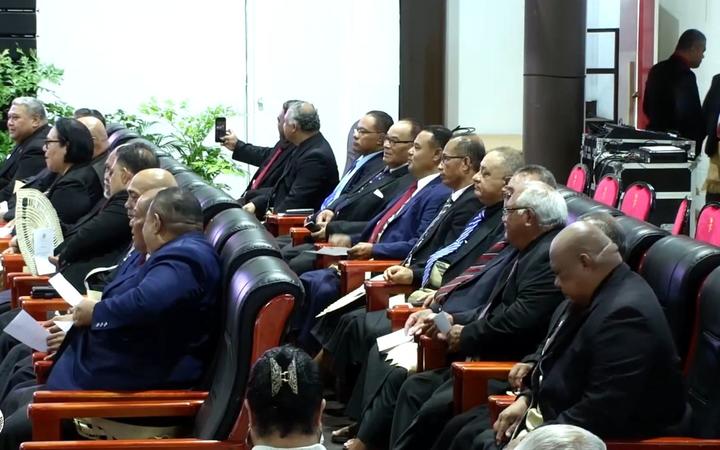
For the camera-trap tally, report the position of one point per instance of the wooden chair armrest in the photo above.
(4, 242)
(38, 356)
(378, 293)
(471, 381)
(38, 308)
(134, 444)
(108, 396)
(399, 315)
(22, 285)
(280, 225)
(13, 262)
(497, 403)
(42, 370)
(432, 354)
(46, 417)
(663, 443)
(352, 272)
(299, 235)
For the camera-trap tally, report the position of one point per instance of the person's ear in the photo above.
(585, 260)
(437, 157)
(156, 223)
(125, 176)
(319, 413)
(251, 418)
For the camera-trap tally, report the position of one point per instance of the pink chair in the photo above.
(577, 180)
(638, 200)
(708, 224)
(607, 191)
(681, 218)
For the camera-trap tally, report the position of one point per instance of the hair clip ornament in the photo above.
(278, 377)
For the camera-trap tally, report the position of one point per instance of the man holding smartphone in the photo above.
(295, 173)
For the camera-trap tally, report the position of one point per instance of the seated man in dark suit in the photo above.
(390, 234)
(481, 231)
(100, 237)
(310, 171)
(502, 294)
(107, 348)
(349, 212)
(341, 333)
(28, 128)
(270, 162)
(608, 364)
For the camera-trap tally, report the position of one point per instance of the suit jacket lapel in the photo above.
(480, 234)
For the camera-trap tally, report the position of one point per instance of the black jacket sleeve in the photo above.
(251, 154)
(108, 227)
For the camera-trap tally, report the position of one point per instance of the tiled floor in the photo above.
(332, 420)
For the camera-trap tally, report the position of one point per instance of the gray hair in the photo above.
(34, 107)
(561, 437)
(548, 204)
(513, 159)
(305, 116)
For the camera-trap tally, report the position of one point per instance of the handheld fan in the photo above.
(34, 211)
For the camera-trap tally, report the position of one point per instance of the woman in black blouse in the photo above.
(68, 152)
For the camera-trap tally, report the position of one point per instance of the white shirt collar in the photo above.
(424, 181)
(456, 194)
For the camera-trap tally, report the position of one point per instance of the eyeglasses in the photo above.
(506, 211)
(446, 158)
(364, 131)
(50, 141)
(394, 141)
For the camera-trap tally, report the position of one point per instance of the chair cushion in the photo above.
(228, 222)
(638, 237)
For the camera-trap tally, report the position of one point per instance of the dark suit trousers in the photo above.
(16, 368)
(471, 429)
(378, 386)
(424, 406)
(18, 427)
(296, 256)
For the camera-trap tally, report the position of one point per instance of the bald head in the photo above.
(145, 180)
(99, 134)
(136, 223)
(582, 256)
(172, 213)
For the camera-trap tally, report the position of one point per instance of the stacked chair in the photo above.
(258, 294)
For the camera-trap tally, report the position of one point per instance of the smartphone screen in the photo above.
(220, 128)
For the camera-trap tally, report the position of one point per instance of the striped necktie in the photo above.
(430, 229)
(452, 248)
(469, 273)
(379, 228)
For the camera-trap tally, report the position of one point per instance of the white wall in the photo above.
(119, 54)
(484, 77)
(343, 56)
(676, 16)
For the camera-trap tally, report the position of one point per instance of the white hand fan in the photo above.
(34, 211)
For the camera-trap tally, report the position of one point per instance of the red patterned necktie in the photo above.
(397, 206)
(263, 173)
(470, 272)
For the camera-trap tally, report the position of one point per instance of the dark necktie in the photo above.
(263, 173)
(394, 209)
(469, 273)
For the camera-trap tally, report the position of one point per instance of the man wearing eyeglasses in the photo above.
(348, 211)
(28, 128)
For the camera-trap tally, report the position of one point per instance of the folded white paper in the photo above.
(442, 323)
(6, 231)
(43, 242)
(396, 300)
(3, 207)
(405, 356)
(64, 325)
(28, 331)
(18, 185)
(392, 340)
(348, 298)
(65, 289)
(330, 251)
(44, 266)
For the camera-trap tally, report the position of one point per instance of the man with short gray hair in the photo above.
(511, 323)
(311, 172)
(28, 128)
(560, 437)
